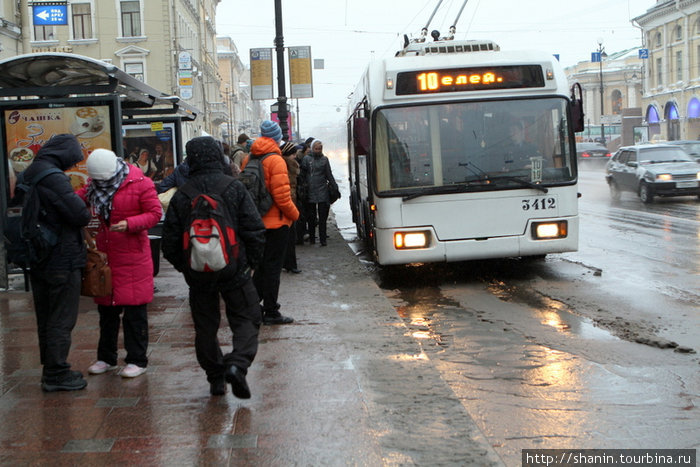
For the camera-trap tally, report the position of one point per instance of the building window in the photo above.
(659, 73)
(657, 41)
(44, 33)
(131, 18)
(678, 33)
(82, 21)
(135, 69)
(679, 66)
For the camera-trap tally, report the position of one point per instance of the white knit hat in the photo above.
(101, 164)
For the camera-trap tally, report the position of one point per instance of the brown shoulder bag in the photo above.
(97, 275)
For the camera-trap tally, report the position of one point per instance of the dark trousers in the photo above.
(301, 225)
(244, 318)
(135, 321)
(267, 276)
(290, 255)
(56, 299)
(317, 214)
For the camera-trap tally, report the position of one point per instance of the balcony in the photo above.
(218, 113)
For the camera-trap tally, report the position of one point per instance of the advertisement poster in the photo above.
(27, 130)
(150, 146)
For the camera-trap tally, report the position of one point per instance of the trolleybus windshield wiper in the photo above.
(485, 176)
(521, 182)
(436, 190)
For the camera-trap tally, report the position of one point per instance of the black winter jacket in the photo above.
(66, 213)
(316, 176)
(250, 230)
(176, 179)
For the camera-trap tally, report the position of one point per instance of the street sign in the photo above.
(184, 78)
(644, 53)
(184, 61)
(274, 108)
(300, 72)
(261, 73)
(595, 57)
(50, 14)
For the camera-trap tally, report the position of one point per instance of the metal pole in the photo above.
(298, 124)
(602, 100)
(229, 124)
(281, 79)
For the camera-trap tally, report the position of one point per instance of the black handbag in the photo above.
(333, 192)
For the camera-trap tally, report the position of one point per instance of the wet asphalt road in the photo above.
(592, 349)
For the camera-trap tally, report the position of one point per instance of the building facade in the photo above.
(244, 114)
(615, 83)
(671, 91)
(10, 30)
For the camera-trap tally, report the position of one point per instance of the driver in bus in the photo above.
(520, 150)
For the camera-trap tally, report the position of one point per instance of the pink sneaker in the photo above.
(132, 371)
(100, 367)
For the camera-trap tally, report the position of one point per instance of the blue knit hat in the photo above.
(270, 129)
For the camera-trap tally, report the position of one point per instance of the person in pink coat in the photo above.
(126, 203)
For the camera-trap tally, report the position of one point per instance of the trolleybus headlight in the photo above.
(549, 230)
(411, 240)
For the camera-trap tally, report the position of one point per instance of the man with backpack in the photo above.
(239, 151)
(277, 218)
(56, 275)
(213, 234)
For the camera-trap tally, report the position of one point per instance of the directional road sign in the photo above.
(50, 15)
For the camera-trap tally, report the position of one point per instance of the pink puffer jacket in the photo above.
(129, 252)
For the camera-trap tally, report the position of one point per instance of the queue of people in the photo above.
(123, 201)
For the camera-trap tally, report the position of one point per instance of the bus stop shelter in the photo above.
(101, 100)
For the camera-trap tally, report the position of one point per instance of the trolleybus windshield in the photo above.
(473, 146)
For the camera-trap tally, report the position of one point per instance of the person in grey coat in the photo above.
(318, 177)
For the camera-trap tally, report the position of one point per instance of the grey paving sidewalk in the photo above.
(345, 385)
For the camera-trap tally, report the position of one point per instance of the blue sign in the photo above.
(50, 15)
(595, 57)
(643, 53)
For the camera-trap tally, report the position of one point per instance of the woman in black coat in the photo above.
(318, 178)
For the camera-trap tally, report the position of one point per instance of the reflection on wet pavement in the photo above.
(534, 375)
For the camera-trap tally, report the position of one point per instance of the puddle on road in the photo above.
(423, 306)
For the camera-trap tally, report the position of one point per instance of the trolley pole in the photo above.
(281, 79)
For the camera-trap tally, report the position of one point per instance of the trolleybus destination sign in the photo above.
(469, 79)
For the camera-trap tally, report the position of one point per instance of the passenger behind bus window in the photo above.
(519, 150)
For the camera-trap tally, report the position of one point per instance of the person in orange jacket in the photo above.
(277, 220)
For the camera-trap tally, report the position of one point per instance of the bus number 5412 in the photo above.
(539, 204)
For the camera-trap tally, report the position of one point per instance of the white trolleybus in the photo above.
(459, 151)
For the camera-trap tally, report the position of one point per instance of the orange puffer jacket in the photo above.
(283, 211)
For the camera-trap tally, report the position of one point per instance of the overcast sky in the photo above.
(346, 33)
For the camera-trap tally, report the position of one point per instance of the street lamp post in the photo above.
(281, 80)
(601, 50)
(229, 125)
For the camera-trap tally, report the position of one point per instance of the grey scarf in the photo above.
(100, 193)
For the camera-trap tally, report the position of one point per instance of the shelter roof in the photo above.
(40, 75)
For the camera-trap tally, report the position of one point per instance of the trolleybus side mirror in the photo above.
(361, 135)
(577, 107)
